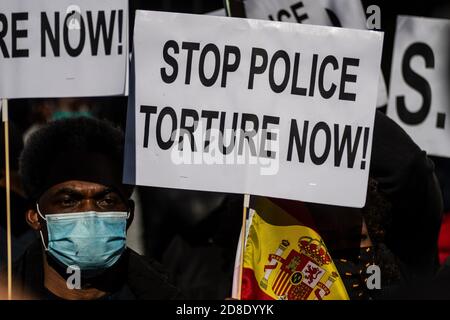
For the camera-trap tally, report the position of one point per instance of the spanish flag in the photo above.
(284, 258)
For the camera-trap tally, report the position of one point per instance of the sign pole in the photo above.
(235, 8)
(8, 197)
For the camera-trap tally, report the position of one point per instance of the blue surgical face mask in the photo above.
(91, 241)
(58, 115)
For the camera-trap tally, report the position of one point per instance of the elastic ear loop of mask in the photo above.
(40, 231)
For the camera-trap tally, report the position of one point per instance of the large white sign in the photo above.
(420, 84)
(63, 48)
(253, 106)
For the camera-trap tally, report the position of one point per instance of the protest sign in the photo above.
(63, 48)
(253, 106)
(299, 11)
(419, 86)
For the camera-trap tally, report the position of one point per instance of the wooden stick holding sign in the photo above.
(235, 8)
(243, 238)
(8, 197)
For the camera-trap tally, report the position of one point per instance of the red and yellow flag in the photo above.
(284, 259)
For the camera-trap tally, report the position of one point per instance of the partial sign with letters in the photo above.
(337, 13)
(253, 106)
(350, 14)
(298, 11)
(63, 48)
(419, 87)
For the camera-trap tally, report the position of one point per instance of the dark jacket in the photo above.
(405, 175)
(133, 277)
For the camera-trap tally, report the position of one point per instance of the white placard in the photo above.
(299, 11)
(63, 48)
(327, 90)
(420, 84)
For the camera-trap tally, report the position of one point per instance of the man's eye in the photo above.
(107, 202)
(67, 202)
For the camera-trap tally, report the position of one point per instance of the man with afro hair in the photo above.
(72, 174)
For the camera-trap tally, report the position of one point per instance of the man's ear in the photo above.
(131, 212)
(33, 220)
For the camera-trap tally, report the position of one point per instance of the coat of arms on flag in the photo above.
(285, 259)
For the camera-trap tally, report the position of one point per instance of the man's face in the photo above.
(76, 196)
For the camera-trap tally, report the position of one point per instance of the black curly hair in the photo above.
(378, 217)
(73, 149)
